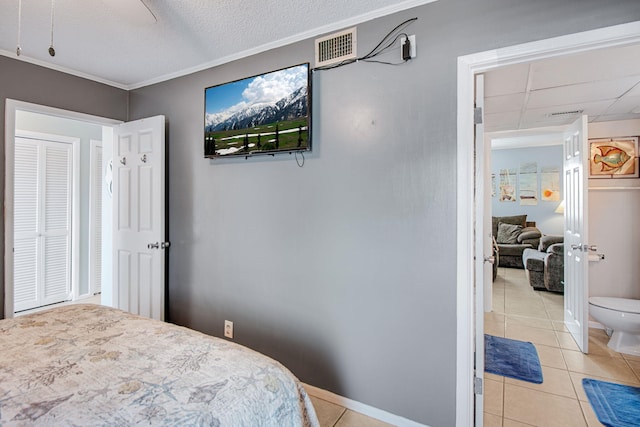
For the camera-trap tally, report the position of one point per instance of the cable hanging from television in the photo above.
(384, 45)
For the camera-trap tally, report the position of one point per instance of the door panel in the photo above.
(43, 179)
(576, 265)
(139, 205)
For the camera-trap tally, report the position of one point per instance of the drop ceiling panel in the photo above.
(601, 64)
(543, 116)
(501, 121)
(624, 105)
(503, 103)
(584, 92)
(506, 80)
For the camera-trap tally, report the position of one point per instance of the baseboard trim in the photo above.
(367, 410)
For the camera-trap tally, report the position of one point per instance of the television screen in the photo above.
(264, 114)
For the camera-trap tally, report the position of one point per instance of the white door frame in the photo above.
(10, 130)
(95, 177)
(468, 66)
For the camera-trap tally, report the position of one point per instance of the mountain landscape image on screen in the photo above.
(262, 114)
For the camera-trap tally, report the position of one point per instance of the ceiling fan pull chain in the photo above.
(18, 49)
(52, 51)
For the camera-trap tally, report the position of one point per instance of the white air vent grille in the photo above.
(336, 47)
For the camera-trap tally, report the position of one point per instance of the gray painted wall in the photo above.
(543, 213)
(26, 82)
(344, 270)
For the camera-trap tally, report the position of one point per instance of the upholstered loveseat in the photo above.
(545, 265)
(513, 235)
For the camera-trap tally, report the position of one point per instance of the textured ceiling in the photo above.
(92, 39)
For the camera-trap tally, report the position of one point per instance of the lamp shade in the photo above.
(560, 208)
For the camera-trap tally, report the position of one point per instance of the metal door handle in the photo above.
(159, 245)
(585, 248)
(490, 259)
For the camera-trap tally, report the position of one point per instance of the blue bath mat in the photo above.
(512, 358)
(615, 405)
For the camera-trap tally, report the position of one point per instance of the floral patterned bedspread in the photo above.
(88, 365)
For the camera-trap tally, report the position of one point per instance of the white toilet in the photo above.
(622, 315)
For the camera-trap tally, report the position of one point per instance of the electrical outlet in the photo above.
(228, 329)
(412, 46)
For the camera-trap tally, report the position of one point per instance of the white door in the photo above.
(43, 188)
(483, 243)
(576, 243)
(139, 217)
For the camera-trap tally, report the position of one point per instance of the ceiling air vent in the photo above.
(336, 47)
(565, 113)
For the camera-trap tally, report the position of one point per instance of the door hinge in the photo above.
(477, 385)
(477, 115)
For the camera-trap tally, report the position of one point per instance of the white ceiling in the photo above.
(92, 39)
(604, 84)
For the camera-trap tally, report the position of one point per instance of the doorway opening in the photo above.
(470, 312)
(67, 243)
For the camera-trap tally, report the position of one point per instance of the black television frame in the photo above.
(249, 141)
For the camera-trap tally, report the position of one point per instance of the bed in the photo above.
(85, 364)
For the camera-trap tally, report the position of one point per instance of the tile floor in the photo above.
(332, 415)
(521, 313)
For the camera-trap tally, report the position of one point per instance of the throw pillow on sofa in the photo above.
(514, 219)
(508, 233)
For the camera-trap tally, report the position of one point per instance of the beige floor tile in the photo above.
(555, 314)
(526, 310)
(493, 316)
(630, 357)
(498, 303)
(493, 377)
(512, 423)
(534, 335)
(354, 419)
(559, 325)
(589, 415)
(491, 420)
(598, 341)
(555, 381)
(327, 412)
(552, 299)
(635, 366)
(576, 379)
(494, 328)
(601, 366)
(493, 397)
(532, 322)
(541, 409)
(566, 341)
(551, 356)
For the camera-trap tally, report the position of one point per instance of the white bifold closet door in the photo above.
(42, 222)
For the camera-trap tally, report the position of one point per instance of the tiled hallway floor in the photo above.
(521, 313)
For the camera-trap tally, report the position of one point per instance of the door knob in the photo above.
(490, 259)
(585, 248)
(159, 245)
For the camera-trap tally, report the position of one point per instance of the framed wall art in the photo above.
(613, 157)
